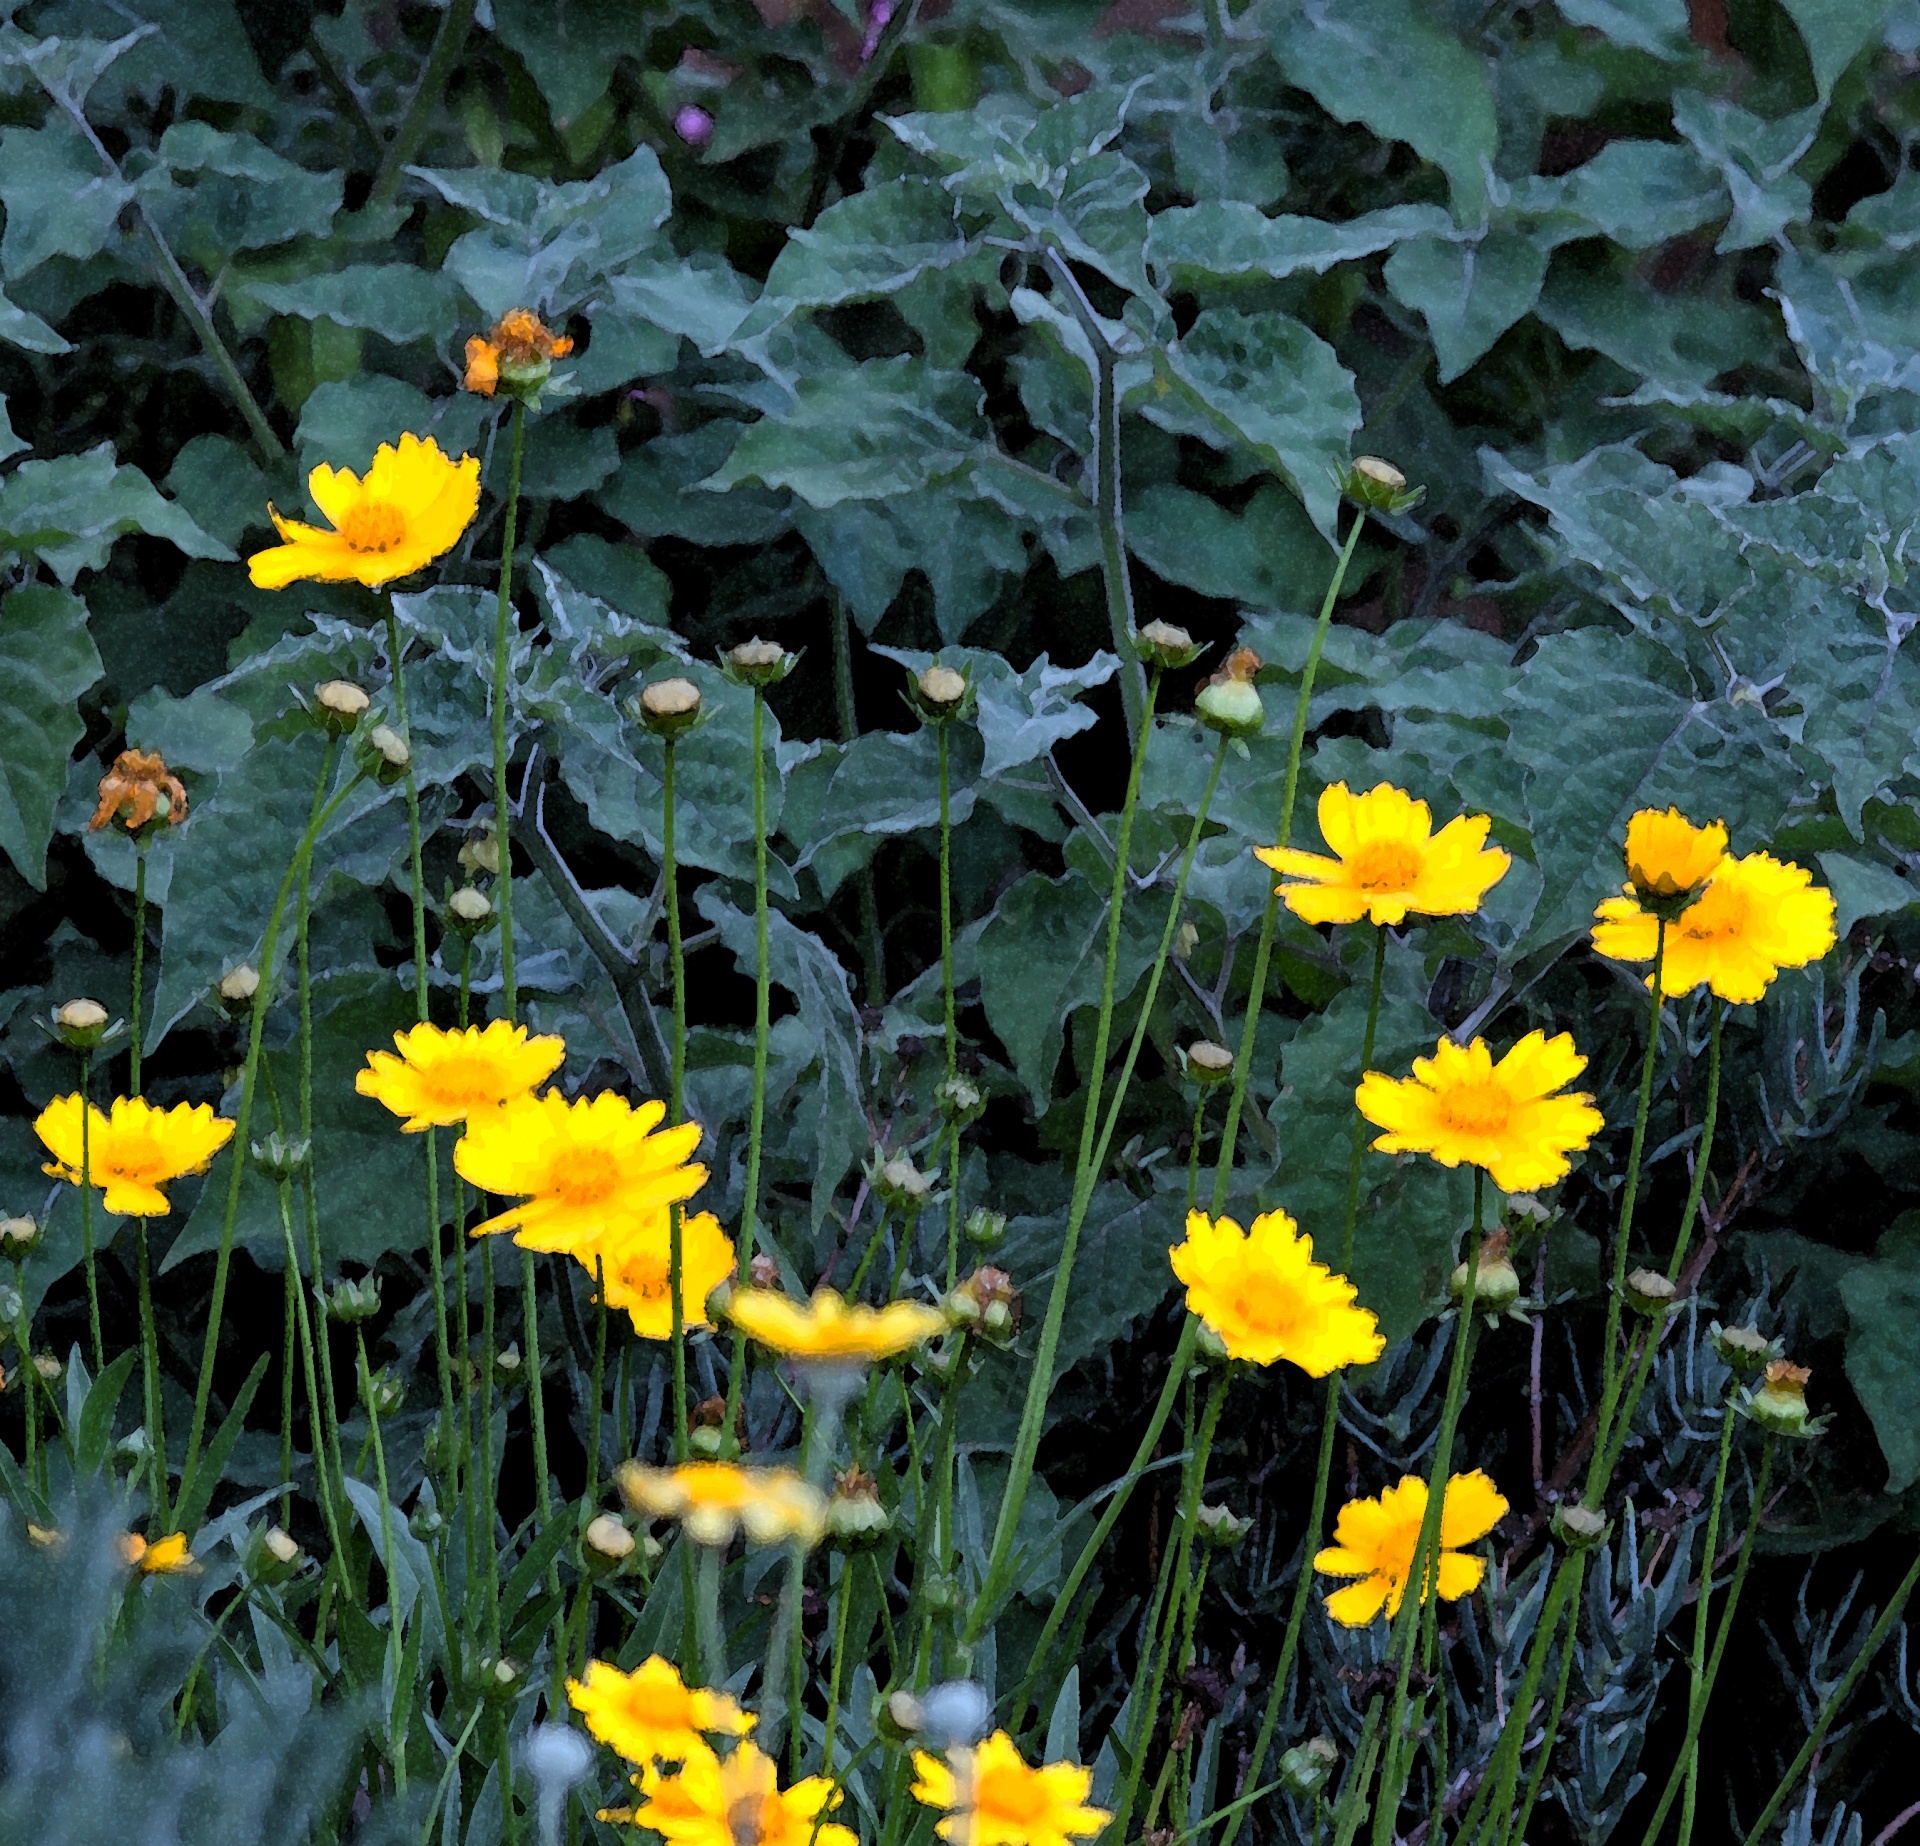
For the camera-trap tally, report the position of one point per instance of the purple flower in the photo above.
(693, 125)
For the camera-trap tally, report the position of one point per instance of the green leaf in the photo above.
(1836, 32)
(657, 492)
(571, 51)
(1226, 237)
(397, 301)
(28, 331)
(221, 485)
(1266, 555)
(1021, 714)
(59, 202)
(1656, 26)
(1470, 291)
(1863, 889)
(1682, 342)
(1263, 380)
(346, 419)
(1642, 193)
(1883, 1358)
(1756, 158)
(47, 660)
(69, 511)
(1354, 61)
(213, 193)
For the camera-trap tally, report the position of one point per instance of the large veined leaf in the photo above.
(47, 660)
(68, 512)
(60, 200)
(1227, 237)
(1883, 1357)
(1470, 291)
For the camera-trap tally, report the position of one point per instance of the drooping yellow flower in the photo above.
(440, 1078)
(651, 1713)
(713, 1500)
(412, 506)
(1462, 1107)
(737, 1800)
(1757, 916)
(636, 1266)
(1261, 1291)
(133, 1150)
(587, 1172)
(165, 1557)
(1668, 856)
(992, 1797)
(1375, 1540)
(1387, 861)
(829, 1330)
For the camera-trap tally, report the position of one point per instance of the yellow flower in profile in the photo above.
(439, 1078)
(1463, 1108)
(1261, 1291)
(1668, 856)
(651, 1713)
(1387, 861)
(636, 1265)
(737, 1800)
(713, 1500)
(587, 1171)
(165, 1557)
(1757, 916)
(412, 506)
(992, 1798)
(132, 1151)
(829, 1330)
(1375, 1540)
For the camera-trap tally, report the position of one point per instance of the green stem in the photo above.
(291, 1296)
(150, 1376)
(1869, 1649)
(86, 1212)
(323, 1483)
(1610, 1389)
(1270, 918)
(488, 1500)
(713, 1647)
(839, 622)
(676, 1108)
(396, 1746)
(536, 1407)
(836, 1670)
(1356, 1155)
(946, 990)
(599, 1384)
(448, 43)
(139, 963)
(502, 635)
(1544, 1756)
(1697, 1657)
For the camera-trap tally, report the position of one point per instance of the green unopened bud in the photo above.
(1209, 1348)
(1649, 1292)
(606, 1544)
(19, 1238)
(986, 1303)
(281, 1156)
(80, 1025)
(758, 663)
(959, 1099)
(1378, 486)
(1579, 1528)
(426, 1523)
(900, 1718)
(509, 1369)
(236, 989)
(499, 1678)
(469, 911)
(902, 1185)
(1217, 1526)
(670, 707)
(1305, 1768)
(386, 1396)
(1746, 1350)
(986, 1230)
(350, 1302)
(707, 1443)
(385, 755)
(480, 851)
(1207, 1063)
(1161, 644)
(1496, 1284)
(282, 1547)
(1230, 702)
(339, 705)
(939, 694)
(855, 1515)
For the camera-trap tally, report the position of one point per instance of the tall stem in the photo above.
(139, 962)
(86, 1212)
(322, 1478)
(1270, 918)
(396, 1746)
(946, 989)
(502, 636)
(150, 1375)
(1697, 1658)
(839, 620)
(447, 45)
(676, 1110)
(536, 1406)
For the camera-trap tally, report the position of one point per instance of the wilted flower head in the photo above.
(137, 789)
(515, 357)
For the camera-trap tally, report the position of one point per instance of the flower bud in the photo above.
(1649, 1292)
(707, 1444)
(607, 1544)
(1207, 1063)
(499, 1678)
(469, 911)
(351, 1302)
(1219, 1527)
(509, 1369)
(670, 707)
(1160, 644)
(80, 1024)
(281, 1546)
(425, 1522)
(339, 705)
(19, 1238)
(236, 989)
(855, 1515)
(385, 754)
(900, 1718)
(1578, 1527)
(1230, 702)
(1305, 1768)
(959, 1099)
(1378, 486)
(986, 1230)
(1779, 1402)
(480, 851)
(1746, 1350)
(281, 1157)
(758, 663)
(939, 694)
(1496, 1283)
(1209, 1348)
(902, 1185)
(48, 1366)
(987, 1303)
(764, 1271)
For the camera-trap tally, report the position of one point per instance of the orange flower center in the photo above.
(589, 1178)
(1478, 1108)
(374, 525)
(1384, 865)
(1720, 915)
(1014, 1801)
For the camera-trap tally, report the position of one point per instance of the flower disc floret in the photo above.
(994, 1798)
(713, 1500)
(133, 1150)
(736, 1800)
(651, 1714)
(1758, 915)
(1387, 861)
(636, 1266)
(1266, 1298)
(1462, 1107)
(1374, 1540)
(829, 1330)
(439, 1078)
(410, 508)
(585, 1171)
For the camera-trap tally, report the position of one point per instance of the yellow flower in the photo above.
(413, 505)
(133, 1151)
(1375, 1540)
(1668, 856)
(715, 1499)
(165, 1557)
(1387, 861)
(651, 1713)
(636, 1268)
(588, 1171)
(737, 1801)
(830, 1331)
(1758, 915)
(1261, 1291)
(441, 1077)
(993, 1798)
(1460, 1106)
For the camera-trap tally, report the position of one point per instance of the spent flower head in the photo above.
(137, 790)
(515, 357)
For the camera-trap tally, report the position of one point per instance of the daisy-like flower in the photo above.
(737, 1801)
(412, 506)
(829, 1330)
(636, 1264)
(440, 1078)
(1757, 916)
(713, 1500)
(519, 350)
(1463, 1108)
(992, 1798)
(133, 1150)
(1375, 1540)
(587, 1172)
(651, 1713)
(1261, 1291)
(165, 1557)
(1387, 860)
(1668, 857)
